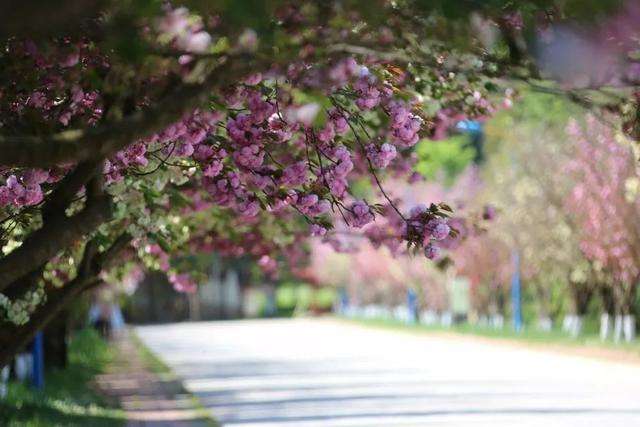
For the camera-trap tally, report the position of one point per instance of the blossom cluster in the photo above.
(18, 311)
(25, 190)
(280, 142)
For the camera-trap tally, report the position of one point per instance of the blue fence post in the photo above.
(37, 351)
(515, 292)
(412, 305)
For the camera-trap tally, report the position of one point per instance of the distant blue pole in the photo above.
(515, 292)
(412, 305)
(344, 301)
(37, 350)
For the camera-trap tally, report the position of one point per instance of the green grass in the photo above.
(67, 399)
(528, 335)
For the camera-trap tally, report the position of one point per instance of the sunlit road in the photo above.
(328, 373)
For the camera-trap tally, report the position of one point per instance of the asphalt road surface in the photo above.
(305, 372)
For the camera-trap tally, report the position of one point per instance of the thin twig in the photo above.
(371, 168)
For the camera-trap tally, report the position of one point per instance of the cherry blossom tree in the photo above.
(605, 201)
(486, 262)
(133, 131)
(527, 183)
(202, 135)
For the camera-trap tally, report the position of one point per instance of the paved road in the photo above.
(325, 373)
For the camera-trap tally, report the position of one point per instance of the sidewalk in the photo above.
(150, 398)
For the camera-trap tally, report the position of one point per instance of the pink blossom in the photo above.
(183, 283)
(248, 208)
(175, 22)
(295, 174)
(431, 251)
(213, 169)
(317, 230)
(438, 228)
(369, 95)
(361, 214)
(254, 79)
(196, 42)
(381, 157)
(38, 100)
(305, 114)
(71, 60)
(327, 133)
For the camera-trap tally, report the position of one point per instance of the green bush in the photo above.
(301, 297)
(304, 295)
(286, 299)
(324, 298)
(444, 159)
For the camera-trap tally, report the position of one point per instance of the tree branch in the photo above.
(68, 187)
(43, 18)
(103, 141)
(13, 337)
(108, 258)
(59, 233)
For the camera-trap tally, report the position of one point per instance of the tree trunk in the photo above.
(608, 311)
(625, 324)
(497, 321)
(629, 327)
(581, 294)
(578, 322)
(544, 323)
(55, 341)
(617, 328)
(606, 321)
(194, 306)
(57, 234)
(572, 324)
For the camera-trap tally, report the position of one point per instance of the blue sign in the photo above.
(470, 126)
(476, 137)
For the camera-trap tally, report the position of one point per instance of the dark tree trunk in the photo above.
(607, 298)
(625, 295)
(581, 294)
(55, 341)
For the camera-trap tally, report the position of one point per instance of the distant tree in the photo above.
(527, 173)
(605, 200)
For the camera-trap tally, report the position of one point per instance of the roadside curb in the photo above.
(588, 350)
